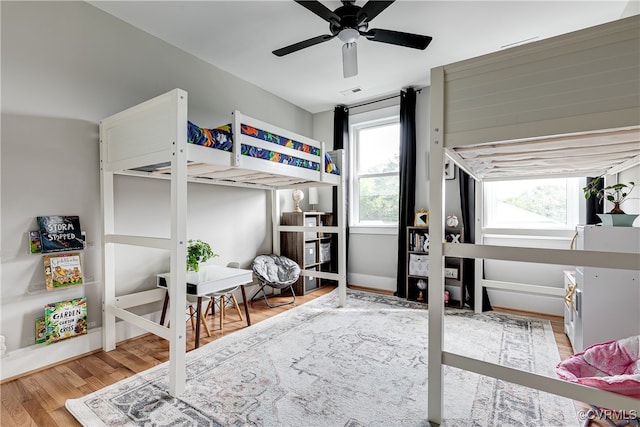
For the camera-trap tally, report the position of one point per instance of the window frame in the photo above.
(371, 119)
(575, 211)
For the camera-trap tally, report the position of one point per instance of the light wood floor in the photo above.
(38, 398)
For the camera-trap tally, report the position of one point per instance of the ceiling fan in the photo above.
(348, 23)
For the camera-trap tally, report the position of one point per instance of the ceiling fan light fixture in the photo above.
(348, 22)
(349, 60)
(348, 35)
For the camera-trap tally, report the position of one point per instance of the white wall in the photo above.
(323, 131)
(65, 66)
(528, 273)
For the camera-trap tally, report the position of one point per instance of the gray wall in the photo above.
(65, 66)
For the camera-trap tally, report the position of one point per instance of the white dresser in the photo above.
(605, 302)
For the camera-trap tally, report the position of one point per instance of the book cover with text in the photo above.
(59, 233)
(65, 319)
(62, 270)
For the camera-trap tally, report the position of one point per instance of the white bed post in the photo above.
(236, 130)
(275, 222)
(479, 263)
(178, 277)
(342, 247)
(108, 257)
(322, 161)
(436, 249)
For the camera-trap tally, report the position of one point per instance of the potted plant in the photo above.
(197, 252)
(616, 194)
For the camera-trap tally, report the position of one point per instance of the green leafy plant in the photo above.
(616, 193)
(197, 252)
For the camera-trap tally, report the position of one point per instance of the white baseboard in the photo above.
(373, 282)
(35, 357)
(544, 304)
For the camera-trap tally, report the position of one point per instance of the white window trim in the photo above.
(361, 121)
(574, 211)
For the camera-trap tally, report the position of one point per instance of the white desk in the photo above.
(210, 278)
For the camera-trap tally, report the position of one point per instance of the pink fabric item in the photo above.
(613, 366)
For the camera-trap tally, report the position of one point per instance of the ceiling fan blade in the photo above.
(301, 45)
(319, 9)
(415, 41)
(372, 9)
(349, 60)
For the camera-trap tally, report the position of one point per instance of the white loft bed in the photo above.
(150, 140)
(566, 106)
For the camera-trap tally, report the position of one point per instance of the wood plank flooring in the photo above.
(37, 399)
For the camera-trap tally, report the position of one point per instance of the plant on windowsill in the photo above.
(198, 252)
(616, 194)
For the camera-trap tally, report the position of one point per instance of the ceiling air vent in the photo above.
(351, 91)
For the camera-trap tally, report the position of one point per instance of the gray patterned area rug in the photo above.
(362, 365)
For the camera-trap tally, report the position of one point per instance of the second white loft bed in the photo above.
(565, 106)
(156, 139)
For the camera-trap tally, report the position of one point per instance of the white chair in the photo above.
(224, 298)
(192, 301)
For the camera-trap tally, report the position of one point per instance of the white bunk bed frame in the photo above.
(155, 133)
(568, 96)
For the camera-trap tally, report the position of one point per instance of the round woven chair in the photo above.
(277, 272)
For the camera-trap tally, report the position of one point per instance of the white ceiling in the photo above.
(239, 36)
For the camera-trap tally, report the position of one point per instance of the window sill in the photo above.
(524, 233)
(381, 230)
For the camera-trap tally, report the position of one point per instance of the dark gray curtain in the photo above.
(407, 200)
(594, 206)
(340, 127)
(467, 205)
(340, 141)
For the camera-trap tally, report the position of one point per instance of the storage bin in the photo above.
(418, 265)
(325, 252)
(309, 253)
(310, 222)
(310, 282)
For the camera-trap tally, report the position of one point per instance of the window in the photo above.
(375, 164)
(532, 204)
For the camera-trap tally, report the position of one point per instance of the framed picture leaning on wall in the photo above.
(421, 218)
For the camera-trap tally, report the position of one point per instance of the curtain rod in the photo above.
(378, 100)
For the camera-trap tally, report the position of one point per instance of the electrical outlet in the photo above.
(91, 325)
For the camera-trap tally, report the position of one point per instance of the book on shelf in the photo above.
(60, 233)
(419, 241)
(35, 247)
(62, 270)
(41, 330)
(65, 319)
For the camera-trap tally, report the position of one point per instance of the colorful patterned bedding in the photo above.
(221, 138)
